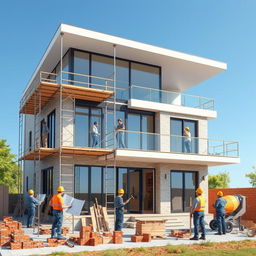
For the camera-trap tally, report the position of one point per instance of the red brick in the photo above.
(53, 244)
(107, 234)
(7, 218)
(86, 229)
(85, 235)
(117, 233)
(18, 232)
(62, 242)
(95, 241)
(94, 234)
(4, 232)
(136, 239)
(16, 245)
(5, 241)
(52, 240)
(38, 244)
(146, 238)
(117, 240)
(27, 245)
(82, 241)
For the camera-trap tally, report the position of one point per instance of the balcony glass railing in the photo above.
(125, 92)
(168, 97)
(171, 143)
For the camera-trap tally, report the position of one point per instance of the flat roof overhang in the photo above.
(177, 158)
(180, 71)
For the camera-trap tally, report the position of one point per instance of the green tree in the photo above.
(252, 177)
(221, 180)
(9, 171)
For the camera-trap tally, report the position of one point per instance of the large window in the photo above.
(47, 181)
(183, 186)
(177, 135)
(84, 120)
(94, 181)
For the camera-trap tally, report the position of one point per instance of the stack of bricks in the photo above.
(185, 233)
(141, 238)
(47, 231)
(12, 235)
(118, 237)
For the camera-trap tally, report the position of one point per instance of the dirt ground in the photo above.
(171, 249)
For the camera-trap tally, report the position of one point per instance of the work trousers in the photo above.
(187, 146)
(45, 140)
(95, 140)
(57, 223)
(198, 219)
(119, 220)
(220, 217)
(31, 216)
(120, 139)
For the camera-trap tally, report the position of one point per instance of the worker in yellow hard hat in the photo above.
(187, 140)
(119, 209)
(32, 202)
(57, 203)
(197, 211)
(219, 206)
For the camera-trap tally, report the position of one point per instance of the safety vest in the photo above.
(201, 206)
(57, 202)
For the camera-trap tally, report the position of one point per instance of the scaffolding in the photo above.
(51, 85)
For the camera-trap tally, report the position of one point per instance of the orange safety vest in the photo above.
(201, 206)
(57, 202)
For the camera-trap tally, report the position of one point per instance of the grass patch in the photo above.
(176, 249)
(58, 253)
(114, 253)
(141, 249)
(207, 244)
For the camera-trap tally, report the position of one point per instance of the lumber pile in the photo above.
(180, 233)
(99, 217)
(12, 236)
(154, 227)
(88, 237)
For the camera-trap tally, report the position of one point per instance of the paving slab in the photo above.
(210, 237)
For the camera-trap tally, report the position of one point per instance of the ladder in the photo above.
(109, 185)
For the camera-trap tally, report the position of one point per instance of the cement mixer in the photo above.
(235, 208)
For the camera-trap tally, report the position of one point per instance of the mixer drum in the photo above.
(232, 203)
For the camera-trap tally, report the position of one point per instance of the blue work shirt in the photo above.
(32, 202)
(119, 203)
(219, 205)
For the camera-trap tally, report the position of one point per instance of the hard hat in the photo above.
(31, 192)
(220, 193)
(187, 128)
(120, 191)
(60, 189)
(199, 191)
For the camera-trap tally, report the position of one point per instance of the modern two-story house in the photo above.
(86, 77)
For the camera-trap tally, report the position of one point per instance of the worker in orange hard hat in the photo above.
(57, 203)
(219, 205)
(119, 208)
(32, 202)
(197, 212)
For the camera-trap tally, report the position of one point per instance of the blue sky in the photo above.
(221, 30)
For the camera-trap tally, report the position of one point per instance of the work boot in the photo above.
(218, 234)
(202, 237)
(194, 238)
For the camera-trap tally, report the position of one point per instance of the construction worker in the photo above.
(197, 211)
(32, 202)
(219, 205)
(187, 139)
(57, 203)
(119, 208)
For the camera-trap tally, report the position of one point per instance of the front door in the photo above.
(141, 187)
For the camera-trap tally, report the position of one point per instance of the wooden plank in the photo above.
(94, 223)
(106, 219)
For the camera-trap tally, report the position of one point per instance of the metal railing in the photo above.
(123, 90)
(169, 97)
(145, 141)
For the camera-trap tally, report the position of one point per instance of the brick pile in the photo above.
(12, 236)
(48, 231)
(88, 237)
(178, 233)
(141, 238)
